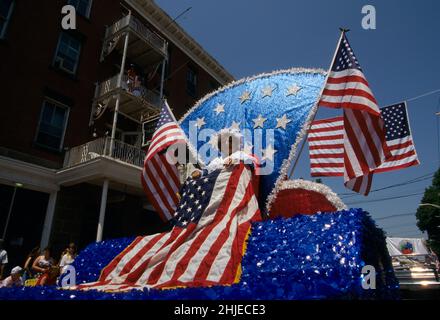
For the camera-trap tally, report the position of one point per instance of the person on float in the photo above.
(45, 268)
(29, 273)
(229, 143)
(68, 257)
(3, 259)
(14, 280)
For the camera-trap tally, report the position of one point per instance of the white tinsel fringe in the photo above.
(248, 79)
(331, 196)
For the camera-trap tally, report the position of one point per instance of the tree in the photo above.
(428, 217)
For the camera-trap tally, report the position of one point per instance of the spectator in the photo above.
(14, 280)
(3, 259)
(28, 272)
(131, 78)
(68, 256)
(43, 266)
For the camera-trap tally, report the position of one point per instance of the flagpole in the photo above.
(190, 146)
(343, 31)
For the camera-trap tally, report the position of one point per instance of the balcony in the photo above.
(135, 100)
(92, 150)
(92, 163)
(145, 46)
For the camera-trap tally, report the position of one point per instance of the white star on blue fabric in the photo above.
(219, 108)
(283, 122)
(259, 122)
(246, 96)
(235, 126)
(293, 90)
(200, 122)
(267, 91)
(269, 153)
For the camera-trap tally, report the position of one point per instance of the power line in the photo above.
(419, 96)
(386, 199)
(396, 216)
(403, 226)
(423, 95)
(408, 235)
(411, 181)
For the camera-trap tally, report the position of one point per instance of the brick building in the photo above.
(72, 113)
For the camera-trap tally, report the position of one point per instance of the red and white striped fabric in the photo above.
(326, 146)
(160, 179)
(364, 136)
(365, 149)
(346, 85)
(201, 250)
(399, 138)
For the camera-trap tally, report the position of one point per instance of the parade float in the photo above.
(309, 244)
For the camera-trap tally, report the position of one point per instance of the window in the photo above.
(191, 83)
(148, 129)
(83, 7)
(67, 54)
(6, 7)
(52, 126)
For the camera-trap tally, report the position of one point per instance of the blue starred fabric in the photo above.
(293, 95)
(302, 258)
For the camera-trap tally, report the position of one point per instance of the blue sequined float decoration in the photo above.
(305, 257)
(284, 99)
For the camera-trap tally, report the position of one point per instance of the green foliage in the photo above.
(428, 217)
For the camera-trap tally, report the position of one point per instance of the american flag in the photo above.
(326, 146)
(160, 179)
(364, 145)
(205, 246)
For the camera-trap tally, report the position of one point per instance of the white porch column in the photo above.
(102, 211)
(50, 211)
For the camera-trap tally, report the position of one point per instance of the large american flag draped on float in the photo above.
(205, 246)
(326, 145)
(160, 179)
(364, 144)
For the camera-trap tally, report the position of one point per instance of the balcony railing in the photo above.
(132, 24)
(105, 88)
(101, 148)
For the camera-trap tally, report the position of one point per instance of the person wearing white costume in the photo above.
(229, 145)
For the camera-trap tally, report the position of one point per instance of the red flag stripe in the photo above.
(220, 240)
(137, 257)
(157, 195)
(220, 214)
(324, 138)
(166, 179)
(160, 187)
(108, 269)
(352, 92)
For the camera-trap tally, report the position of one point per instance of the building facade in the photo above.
(74, 107)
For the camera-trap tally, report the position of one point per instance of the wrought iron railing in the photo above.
(135, 89)
(101, 148)
(141, 30)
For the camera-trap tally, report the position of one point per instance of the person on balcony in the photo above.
(134, 82)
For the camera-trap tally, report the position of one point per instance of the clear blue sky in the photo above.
(401, 59)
